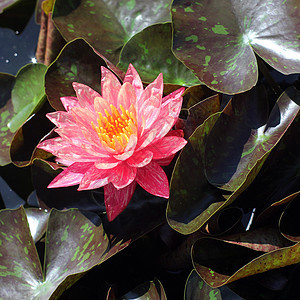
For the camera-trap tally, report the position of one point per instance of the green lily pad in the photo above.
(196, 288)
(220, 262)
(77, 62)
(218, 41)
(108, 25)
(73, 245)
(244, 133)
(150, 53)
(27, 93)
(23, 146)
(20, 96)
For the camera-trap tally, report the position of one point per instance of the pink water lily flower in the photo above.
(117, 139)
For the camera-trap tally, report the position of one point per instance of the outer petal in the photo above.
(117, 200)
(122, 175)
(69, 102)
(166, 146)
(70, 176)
(165, 161)
(110, 86)
(140, 159)
(153, 179)
(134, 79)
(94, 178)
(85, 94)
(64, 150)
(61, 118)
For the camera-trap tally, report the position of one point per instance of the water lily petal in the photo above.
(117, 200)
(146, 139)
(164, 161)
(166, 146)
(153, 179)
(70, 176)
(123, 175)
(107, 163)
(140, 159)
(110, 86)
(69, 102)
(61, 118)
(134, 79)
(85, 94)
(126, 96)
(94, 178)
(100, 105)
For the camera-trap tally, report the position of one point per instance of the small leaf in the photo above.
(150, 53)
(77, 62)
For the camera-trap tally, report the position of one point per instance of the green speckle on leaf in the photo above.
(275, 59)
(223, 73)
(130, 4)
(214, 82)
(188, 9)
(173, 9)
(193, 38)
(202, 19)
(89, 34)
(169, 61)
(207, 60)
(65, 234)
(75, 254)
(26, 250)
(219, 29)
(212, 295)
(92, 12)
(200, 47)
(71, 26)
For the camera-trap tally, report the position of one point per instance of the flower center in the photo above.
(115, 128)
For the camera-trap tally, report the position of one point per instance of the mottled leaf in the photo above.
(150, 53)
(73, 245)
(196, 289)
(77, 62)
(149, 290)
(37, 220)
(220, 262)
(192, 199)
(108, 25)
(218, 40)
(244, 133)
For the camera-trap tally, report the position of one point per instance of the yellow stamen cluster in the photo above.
(115, 128)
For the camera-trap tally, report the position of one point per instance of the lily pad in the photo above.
(220, 262)
(218, 41)
(77, 62)
(150, 53)
(192, 198)
(196, 288)
(73, 245)
(244, 133)
(108, 25)
(27, 93)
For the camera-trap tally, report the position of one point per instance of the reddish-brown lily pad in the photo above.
(218, 40)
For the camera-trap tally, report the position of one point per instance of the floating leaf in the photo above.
(108, 25)
(6, 112)
(244, 133)
(27, 93)
(196, 289)
(150, 53)
(220, 262)
(23, 146)
(73, 246)
(149, 290)
(77, 62)
(217, 40)
(192, 199)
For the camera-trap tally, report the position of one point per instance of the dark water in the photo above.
(18, 49)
